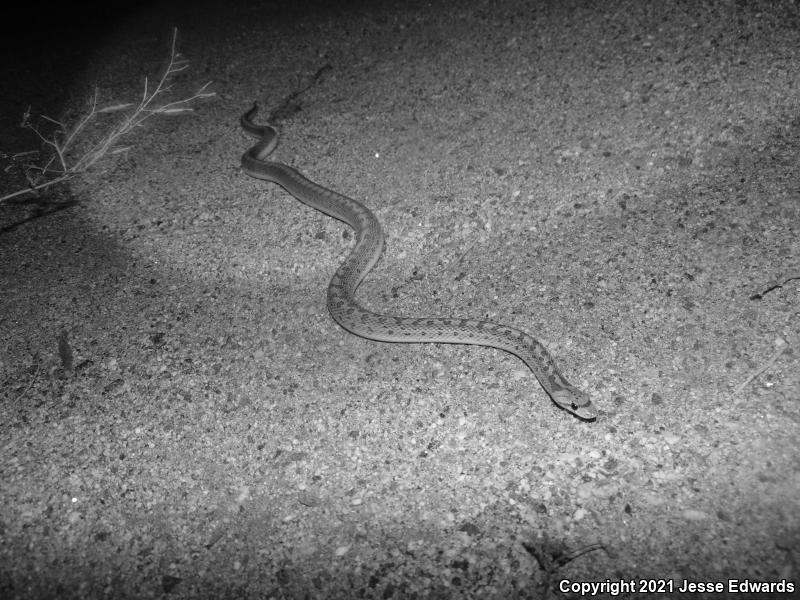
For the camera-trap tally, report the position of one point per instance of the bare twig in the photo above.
(780, 346)
(287, 106)
(552, 556)
(774, 286)
(30, 385)
(63, 140)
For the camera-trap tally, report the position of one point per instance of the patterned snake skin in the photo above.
(356, 319)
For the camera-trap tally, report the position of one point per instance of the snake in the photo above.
(353, 317)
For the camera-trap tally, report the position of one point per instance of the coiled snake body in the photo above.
(346, 311)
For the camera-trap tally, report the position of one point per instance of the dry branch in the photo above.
(61, 167)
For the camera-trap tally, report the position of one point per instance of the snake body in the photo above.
(353, 317)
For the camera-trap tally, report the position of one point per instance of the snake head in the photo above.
(575, 402)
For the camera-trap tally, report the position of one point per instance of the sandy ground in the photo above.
(181, 417)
